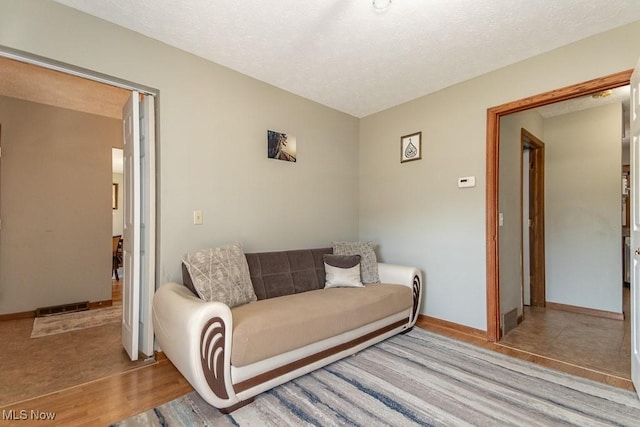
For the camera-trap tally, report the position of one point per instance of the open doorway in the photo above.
(564, 234)
(86, 112)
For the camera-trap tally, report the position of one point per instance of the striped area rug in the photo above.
(422, 379)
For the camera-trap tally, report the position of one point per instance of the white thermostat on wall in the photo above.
(466, 181)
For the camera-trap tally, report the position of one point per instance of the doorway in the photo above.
(592, 325)
(493, 130)
(60, 75)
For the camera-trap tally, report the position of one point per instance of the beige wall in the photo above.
(212, 139)
(583, 224)
(348, 183)
(415, 211)
(510, 188)
(583, 161)
(55, 246)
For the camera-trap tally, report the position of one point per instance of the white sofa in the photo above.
(231, 355)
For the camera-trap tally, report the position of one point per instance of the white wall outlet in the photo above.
(466, 181)
(197, 217)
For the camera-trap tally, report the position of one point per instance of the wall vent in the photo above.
(509, 321)
(62, 309)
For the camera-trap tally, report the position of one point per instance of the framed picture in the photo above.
(114, 196)
(411, 147)
(281, 146)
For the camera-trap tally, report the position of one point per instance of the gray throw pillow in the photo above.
(221, 274)
(342, 271)
(368, 261)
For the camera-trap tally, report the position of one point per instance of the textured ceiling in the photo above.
(346, 55)
(621, 95)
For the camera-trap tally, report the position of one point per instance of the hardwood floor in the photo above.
(118, 396)
(104, 401)
(37, 366)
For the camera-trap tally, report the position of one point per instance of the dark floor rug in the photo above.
(418, 378)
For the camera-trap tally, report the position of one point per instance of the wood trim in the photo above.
(274, 373)
(611, 81)
(585, 310)
(493, 143)
(493, 254)
(31, 314)
(17, 316)
(425, 321)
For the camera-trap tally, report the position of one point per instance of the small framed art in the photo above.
(411, 147)
(281, 146)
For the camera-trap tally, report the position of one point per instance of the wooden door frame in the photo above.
(536, 197)
(493, 147)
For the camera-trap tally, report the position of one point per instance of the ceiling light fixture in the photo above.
(602, 94)
(381, 5)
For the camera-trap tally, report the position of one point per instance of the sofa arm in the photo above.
(196, 336)
(403, 275)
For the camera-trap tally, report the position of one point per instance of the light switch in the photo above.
(500, 219)
(197, 217)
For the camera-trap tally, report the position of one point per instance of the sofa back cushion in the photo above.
(274, 274)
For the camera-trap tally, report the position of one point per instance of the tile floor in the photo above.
(591, 342)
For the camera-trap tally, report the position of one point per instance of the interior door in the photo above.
(635, 227)
(535, 221)
(131, 231)
(148, 224)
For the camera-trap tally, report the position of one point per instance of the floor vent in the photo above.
(509, 321)
(61, 309)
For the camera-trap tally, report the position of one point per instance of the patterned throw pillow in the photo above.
(221, 274)
(368, 261)
(342, 271)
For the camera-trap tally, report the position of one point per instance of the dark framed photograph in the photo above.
(411, 147)
(281, 146)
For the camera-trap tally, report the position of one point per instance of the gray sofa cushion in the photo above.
(274, 274)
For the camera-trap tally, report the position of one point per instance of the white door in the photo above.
(635, 227)
(148, 224)
(131, 232)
